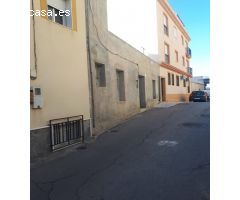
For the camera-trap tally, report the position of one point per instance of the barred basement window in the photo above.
(100, 75)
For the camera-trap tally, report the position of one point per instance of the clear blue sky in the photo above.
(196, 17)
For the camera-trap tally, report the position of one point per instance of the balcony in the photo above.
(188, 52)
(189, 70)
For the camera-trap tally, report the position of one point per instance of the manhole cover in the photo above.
(167, 143)
(192, 125)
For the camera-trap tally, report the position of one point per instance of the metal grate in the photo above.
(66, 131)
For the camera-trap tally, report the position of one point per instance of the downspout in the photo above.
(33, 72)
(90, 65)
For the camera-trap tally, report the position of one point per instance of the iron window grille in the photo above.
(66, 131)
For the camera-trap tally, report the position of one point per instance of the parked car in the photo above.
(198, 96)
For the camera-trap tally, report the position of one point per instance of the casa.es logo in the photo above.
(50, 13)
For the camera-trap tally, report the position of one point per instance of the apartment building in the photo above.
(174, 54)
(59, 75)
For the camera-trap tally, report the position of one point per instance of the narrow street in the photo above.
(161, 154)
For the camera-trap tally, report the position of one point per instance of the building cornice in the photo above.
(172, 68)
(173, 16)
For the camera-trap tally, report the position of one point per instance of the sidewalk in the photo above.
(167, 104)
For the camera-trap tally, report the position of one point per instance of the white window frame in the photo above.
(66, 20)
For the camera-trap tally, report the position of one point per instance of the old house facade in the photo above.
(124, 80)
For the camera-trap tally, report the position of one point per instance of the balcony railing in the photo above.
(189, 70)
(188, 52)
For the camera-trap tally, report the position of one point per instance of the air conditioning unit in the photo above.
(37, 99)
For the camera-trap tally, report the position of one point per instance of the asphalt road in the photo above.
(161, 154)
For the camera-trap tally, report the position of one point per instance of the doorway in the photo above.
(142, 96)
(163, 89)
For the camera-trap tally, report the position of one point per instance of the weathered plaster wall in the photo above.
(104, 46)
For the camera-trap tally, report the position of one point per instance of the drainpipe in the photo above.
(33, 72)
(90, 64)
